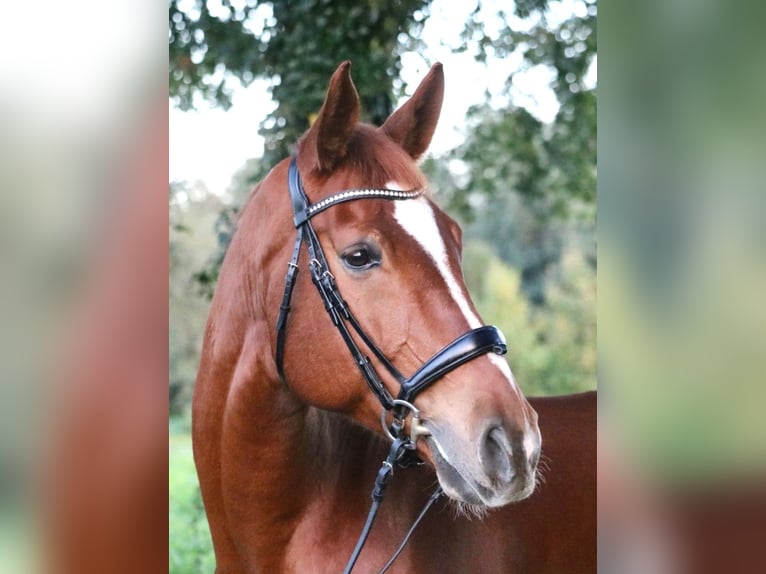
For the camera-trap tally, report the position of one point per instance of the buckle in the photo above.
(397, 425)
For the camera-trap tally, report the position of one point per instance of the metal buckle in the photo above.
(416, 428)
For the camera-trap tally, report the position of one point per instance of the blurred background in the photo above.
(682, 324)
(83, 286)
(513, 159)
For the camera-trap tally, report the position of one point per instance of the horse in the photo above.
(293, 411)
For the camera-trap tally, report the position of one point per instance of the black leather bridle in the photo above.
(472, 344)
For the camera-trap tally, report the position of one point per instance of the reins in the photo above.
(468, 346)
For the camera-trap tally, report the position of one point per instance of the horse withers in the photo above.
(287, 421)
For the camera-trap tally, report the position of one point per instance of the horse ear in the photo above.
(412, 126)
(327, 140)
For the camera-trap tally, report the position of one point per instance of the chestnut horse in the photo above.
(288, 435)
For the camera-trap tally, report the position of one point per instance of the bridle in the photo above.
(468, 346)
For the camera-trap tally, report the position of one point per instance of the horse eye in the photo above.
(359, 258)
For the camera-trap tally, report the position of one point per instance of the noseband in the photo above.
(468, 346)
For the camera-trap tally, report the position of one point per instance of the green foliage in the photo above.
(207, 275)
(307, 41)
(551, 349)
(203, 45)
(521, 238)
(552, 166)
(296, 45)
(191, 549)
(526, 186)
(242, 184)
(194, 213)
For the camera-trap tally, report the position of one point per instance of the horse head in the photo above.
(397, 265)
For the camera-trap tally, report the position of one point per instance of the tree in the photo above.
(553, 166)
(528, 185)
(296, 45)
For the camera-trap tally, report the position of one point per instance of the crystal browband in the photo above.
(381, 193)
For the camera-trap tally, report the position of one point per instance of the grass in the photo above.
(191, 550)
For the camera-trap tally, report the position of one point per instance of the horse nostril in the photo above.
(495, 455)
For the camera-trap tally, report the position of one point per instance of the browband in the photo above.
(303, 211)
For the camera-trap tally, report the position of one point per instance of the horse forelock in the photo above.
(371, 160)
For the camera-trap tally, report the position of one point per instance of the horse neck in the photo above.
(304, 455)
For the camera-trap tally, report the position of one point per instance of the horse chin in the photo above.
(470, 497)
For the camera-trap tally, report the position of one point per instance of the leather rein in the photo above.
(468, 346)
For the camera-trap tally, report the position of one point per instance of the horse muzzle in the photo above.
(497, 469)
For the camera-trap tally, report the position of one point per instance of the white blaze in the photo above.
(416, 217)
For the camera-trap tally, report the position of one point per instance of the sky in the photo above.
(210, 144)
